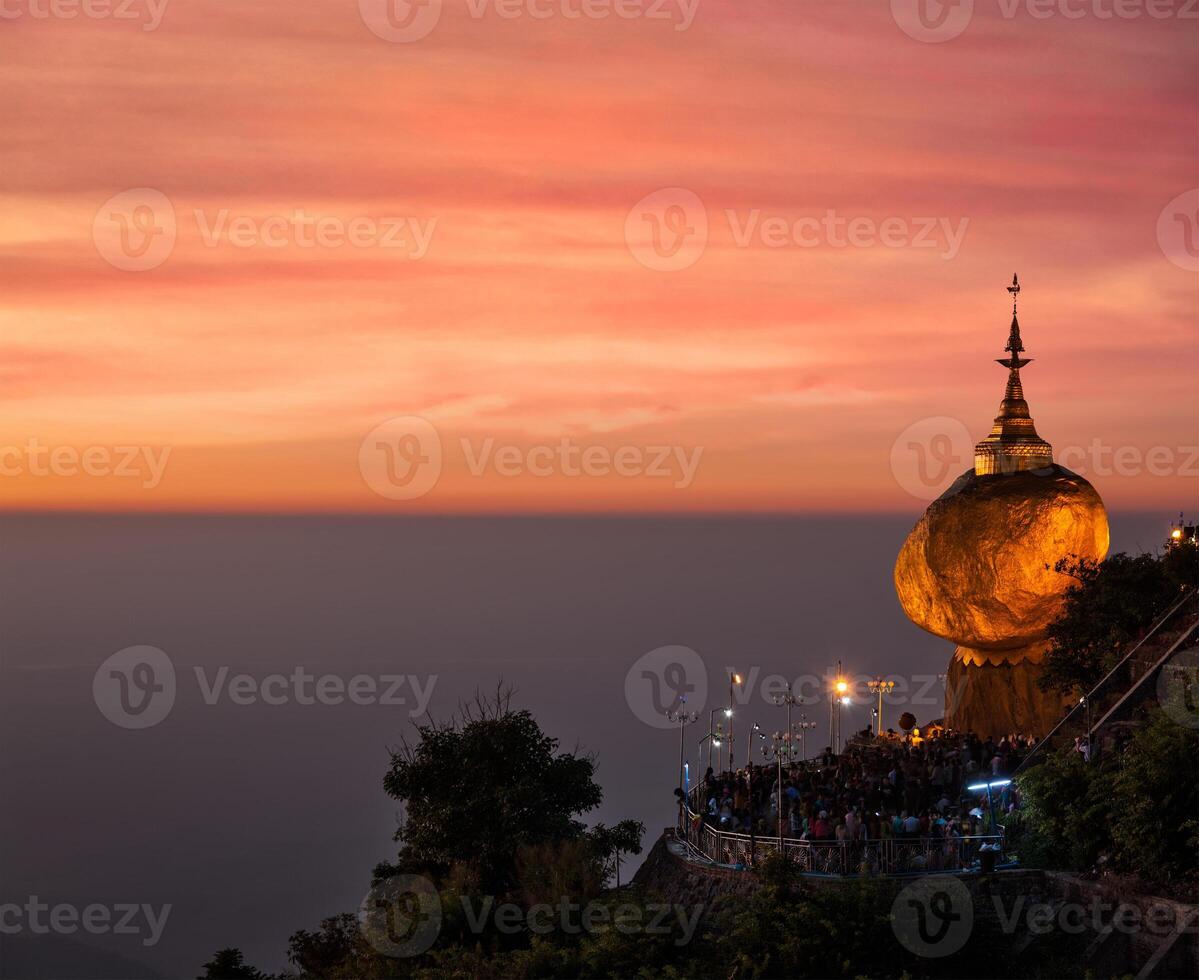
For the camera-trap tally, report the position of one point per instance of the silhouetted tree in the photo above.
(480, 787)
(230, 964)
(1111, 606)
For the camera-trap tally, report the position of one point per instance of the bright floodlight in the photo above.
(842, 687)
(845, 700)
(728, 712)
(979, 787)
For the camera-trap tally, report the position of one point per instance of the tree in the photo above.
(1111, 606)
(1136, 811)
(477, 789)
(609, 843)
(1155, 800)
(230, 964)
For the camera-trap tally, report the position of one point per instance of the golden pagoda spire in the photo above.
(1013, 444)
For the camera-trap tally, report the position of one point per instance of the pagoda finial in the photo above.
(1014, 344)
(1013, 444)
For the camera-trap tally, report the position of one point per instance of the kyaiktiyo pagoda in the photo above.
(978, 568)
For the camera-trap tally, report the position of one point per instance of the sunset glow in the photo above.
(481, 263)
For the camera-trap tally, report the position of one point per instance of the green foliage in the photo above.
(477, 789)
(1136, 812)
(1066, 814)
(1110, 606)
(337, 951)
(1155, 802)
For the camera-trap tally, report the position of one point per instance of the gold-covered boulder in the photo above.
(978, 568)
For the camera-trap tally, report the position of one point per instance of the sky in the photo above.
(589, 255)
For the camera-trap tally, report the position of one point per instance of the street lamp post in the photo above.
(682, 719)
(790, 700)
(804, 727)
(749, 771)
(712, 737)
(780, 746)
(880, 687)
(734, 678)
(840, 696)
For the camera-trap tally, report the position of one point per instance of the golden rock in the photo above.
(978, 568)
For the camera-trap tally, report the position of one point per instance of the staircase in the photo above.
(1129, 682)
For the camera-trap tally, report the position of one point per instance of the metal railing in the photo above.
(885, 856)
(1165, 636)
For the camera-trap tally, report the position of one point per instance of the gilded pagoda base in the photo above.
(1000, 697)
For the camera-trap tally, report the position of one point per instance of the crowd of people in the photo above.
(902, 786)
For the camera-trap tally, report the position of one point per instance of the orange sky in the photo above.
(503, 285)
